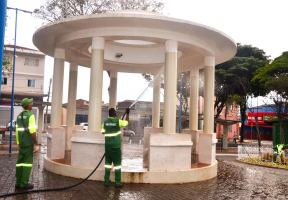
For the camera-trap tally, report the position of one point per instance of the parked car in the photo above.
(8, 126)
(128, 132)
(85, 126)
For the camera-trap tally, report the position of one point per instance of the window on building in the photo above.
(4, 81)
(32, 62)
(230, 128)
(230, 107)
(31, 83)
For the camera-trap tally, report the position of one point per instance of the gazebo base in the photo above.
(199, 172)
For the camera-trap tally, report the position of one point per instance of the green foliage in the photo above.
(245, 63)
(279, 85)
(247, 60)
(7, 67)
(268, 76)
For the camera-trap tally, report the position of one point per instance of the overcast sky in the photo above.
(261, 23)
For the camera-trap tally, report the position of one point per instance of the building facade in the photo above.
(265, 127)
(29, 80)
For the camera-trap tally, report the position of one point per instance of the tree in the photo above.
(247, 92)
(278, 67)
(247, 60)
(280, 107)
(185, 91)
(7, 67)
(241, 68)
(273, 79)
(54, 10)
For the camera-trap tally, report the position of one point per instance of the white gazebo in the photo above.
(134, 42)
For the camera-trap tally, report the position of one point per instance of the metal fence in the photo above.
(263, 155)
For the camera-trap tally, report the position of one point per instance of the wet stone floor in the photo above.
(234, 181)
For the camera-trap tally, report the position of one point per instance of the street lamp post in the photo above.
(14, 58)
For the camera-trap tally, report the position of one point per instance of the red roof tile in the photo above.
(18, 47)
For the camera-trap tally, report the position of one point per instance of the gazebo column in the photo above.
(96, 83)
(207, 140)
(40, 123)
(170, 151)
(71, 107)
(155, 111)
(170, 81)
(156, 100)
(113, 90)
(193, 117)
(56, 135)
(87, 147)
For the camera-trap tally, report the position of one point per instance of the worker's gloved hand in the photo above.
(128, 111)
(36, 148)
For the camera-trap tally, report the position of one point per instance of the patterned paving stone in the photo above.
(234, 181)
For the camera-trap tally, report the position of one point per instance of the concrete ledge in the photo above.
(169, 152)
(69, 130)
(147, 131)
(194, 139)
(56, 143)
(156, 177)
(88, 141)
(87, 147)
(207, 148)
(171, 144)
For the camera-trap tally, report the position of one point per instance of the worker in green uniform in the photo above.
(112, 131)
(26, 139)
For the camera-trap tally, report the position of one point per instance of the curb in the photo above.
(260, 165)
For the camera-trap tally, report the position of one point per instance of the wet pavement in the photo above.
(234, 181)
(4, 147)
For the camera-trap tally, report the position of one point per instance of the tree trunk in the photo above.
(258, 131)
(282, 135)
(242, 130)
(257, 127)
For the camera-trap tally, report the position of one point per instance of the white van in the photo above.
(85, 125)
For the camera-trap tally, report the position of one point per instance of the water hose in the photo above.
(54, 189)
(57, 189)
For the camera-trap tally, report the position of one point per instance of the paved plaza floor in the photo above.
(234, 181)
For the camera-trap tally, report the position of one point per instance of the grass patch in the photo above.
(258, 161)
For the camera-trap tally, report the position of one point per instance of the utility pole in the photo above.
(47, 105)
(13, 80)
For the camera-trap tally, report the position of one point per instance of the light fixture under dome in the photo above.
(135, 42)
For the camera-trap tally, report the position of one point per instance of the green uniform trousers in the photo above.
(24, 165)
(113, 155)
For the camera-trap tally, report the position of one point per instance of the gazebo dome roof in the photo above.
(139, 36)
